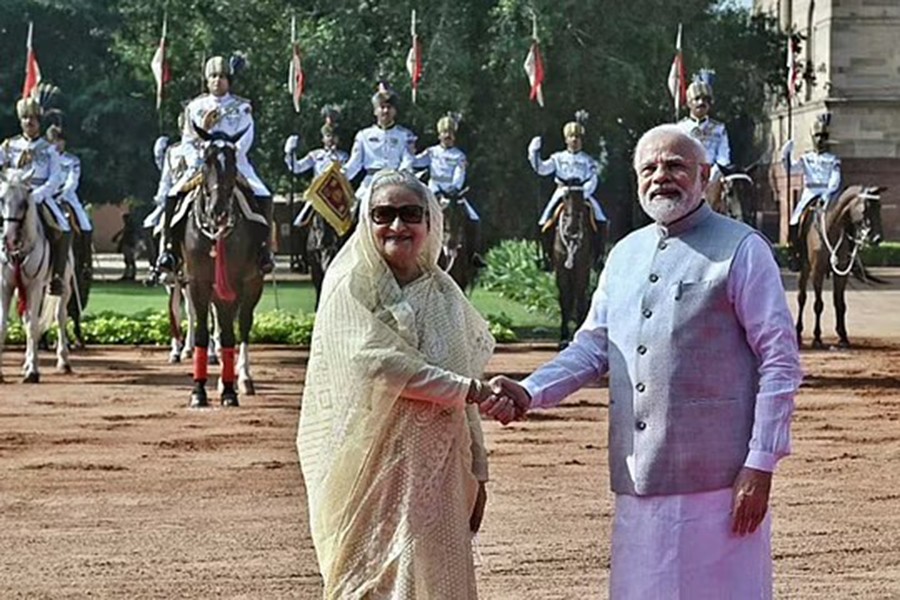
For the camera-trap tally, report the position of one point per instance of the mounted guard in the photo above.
(446, 164)
(31, 152)
(384, 145)
(709, 132)
(67, 195)
(220, 112)
(821, 179)
(317, 160)
(571, 164)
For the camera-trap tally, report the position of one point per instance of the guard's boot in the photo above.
(794, 248)
(266, 258)
(59, 254)
(168, 259)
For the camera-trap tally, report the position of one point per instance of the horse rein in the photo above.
(858, 240)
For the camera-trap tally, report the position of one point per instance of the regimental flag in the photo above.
(296, 79)
(32, 70)
(534, 68)
(414, 59)
(332, 196)
(793, 66)
(160, 66)
(677, 79)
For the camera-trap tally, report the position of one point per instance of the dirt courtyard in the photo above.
(111, 488)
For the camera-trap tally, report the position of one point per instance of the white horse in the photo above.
(25, 268)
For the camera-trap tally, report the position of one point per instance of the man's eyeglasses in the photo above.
(386, 214)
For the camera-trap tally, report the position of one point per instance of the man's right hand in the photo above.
(509, 400)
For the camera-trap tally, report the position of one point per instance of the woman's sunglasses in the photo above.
(408, 213)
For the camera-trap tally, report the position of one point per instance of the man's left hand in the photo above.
(478, 510)
(750, 500)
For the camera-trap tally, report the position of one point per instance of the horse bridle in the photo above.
(214, 231)
(571, 241)
(863, 229)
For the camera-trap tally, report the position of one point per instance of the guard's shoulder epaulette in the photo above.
(241, 99)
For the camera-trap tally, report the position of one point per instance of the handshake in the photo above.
(501, 398)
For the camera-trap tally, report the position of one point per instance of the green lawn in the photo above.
(131, 298)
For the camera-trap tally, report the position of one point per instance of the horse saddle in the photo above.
(551, 222)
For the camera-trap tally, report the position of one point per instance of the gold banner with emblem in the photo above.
(332, 197)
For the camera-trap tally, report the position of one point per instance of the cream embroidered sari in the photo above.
(389, 480)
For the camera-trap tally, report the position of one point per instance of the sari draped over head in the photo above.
(389, 480)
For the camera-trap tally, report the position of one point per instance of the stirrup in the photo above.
(266, 261)
(56, 286)
(166, 262)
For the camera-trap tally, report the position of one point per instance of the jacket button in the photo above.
(654, 277)
(642, 349)
(640, 387)
(647, 313)
(641, 425)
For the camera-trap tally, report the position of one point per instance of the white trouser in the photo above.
(84, 222)
(599, 215)
(809, 194)
(303, 214)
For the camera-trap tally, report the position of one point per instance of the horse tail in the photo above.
(222, 285)
(21, 291)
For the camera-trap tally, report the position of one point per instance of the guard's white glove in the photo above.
(534, 145)
(159, 150)
(787, 150)
(291, 144)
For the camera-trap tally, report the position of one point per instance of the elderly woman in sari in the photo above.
(390, 439)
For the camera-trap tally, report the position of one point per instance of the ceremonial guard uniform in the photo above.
(317, 160)
(710, 133)
(821, 177)
(571, 164)
(384, 145)
(30, 151)
(446, 165)
(221, 112)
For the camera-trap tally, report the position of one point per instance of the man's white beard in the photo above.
(669, 210)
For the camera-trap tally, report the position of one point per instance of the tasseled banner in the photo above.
(227, 365)
(222, 286)
(21, 291)
(201, 363)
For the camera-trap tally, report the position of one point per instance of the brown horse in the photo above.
(832, 238)
(322, 245)
(573, 254)
(220, 258)
(456, 249)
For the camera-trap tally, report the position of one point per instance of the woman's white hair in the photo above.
(671, 131)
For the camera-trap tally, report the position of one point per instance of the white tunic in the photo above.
(229, 115)
(71, 169)
(375, 149)
(565, 166)
(821, 177)
(42, 158)
(179, 158)
(446, 172)
(714, 137)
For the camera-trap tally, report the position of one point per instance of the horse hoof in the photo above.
(33, 377)
(563, 345)
(199, 399)
(65, 369)
(247, 387)
(213, 359)
(844, 344)
(174, 359)
(817, 344)
(230, 399)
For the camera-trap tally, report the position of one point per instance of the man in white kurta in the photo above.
(690, 321)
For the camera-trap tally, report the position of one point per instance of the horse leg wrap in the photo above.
(201, 358)
(228, 366)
